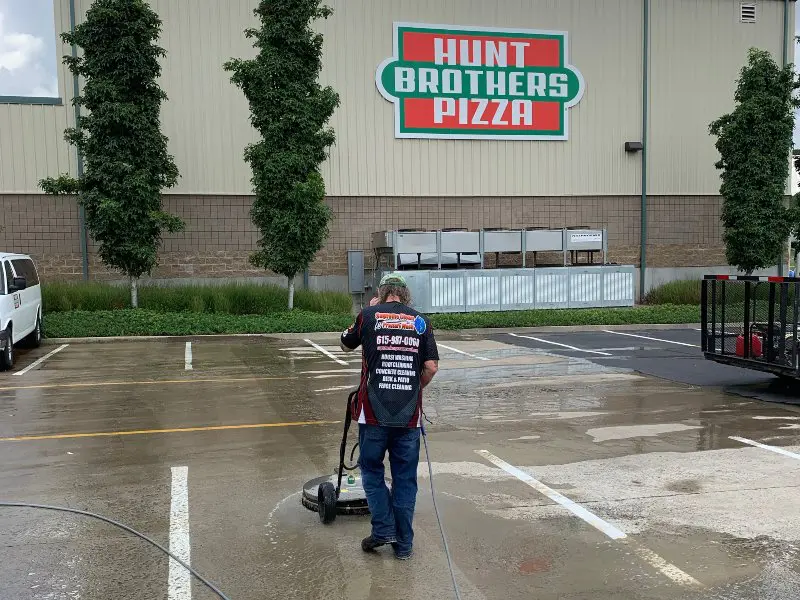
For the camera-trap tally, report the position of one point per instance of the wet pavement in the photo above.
(581, 465)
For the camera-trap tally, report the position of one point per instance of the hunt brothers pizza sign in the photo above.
(479, 83)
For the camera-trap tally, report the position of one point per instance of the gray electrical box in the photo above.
(355, 271)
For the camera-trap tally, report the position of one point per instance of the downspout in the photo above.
(75, 94)
(786, 62)
(645, 105)
(785, 32)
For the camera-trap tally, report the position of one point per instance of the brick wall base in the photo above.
(684, 231)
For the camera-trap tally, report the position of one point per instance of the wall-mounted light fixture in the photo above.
(634, 146)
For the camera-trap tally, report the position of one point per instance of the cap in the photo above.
(393, 279)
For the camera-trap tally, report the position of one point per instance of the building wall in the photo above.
(32, 144)
(698, 46)
(377, 182)
(219, 235)
(369, 161)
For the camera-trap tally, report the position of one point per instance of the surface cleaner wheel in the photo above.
(326, 502)
(351, 501)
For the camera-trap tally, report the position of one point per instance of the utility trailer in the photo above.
(752, 322)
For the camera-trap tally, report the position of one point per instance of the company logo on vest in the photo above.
(455, 82)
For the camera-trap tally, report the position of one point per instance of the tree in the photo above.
(290, 111)
(126, 160)
(755, 142)
(795, 219)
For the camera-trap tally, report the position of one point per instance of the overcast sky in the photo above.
(28, 59)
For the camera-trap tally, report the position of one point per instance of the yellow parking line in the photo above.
(66, 436)
(48, 386)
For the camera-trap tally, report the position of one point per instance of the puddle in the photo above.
(624, 432)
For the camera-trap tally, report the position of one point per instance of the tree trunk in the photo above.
(134, 292)
(291, 293)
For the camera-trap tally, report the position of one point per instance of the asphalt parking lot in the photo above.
(672, 354)
(569, 465)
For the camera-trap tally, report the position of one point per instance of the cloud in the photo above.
(18, 50)
(28, 51)
(50, 91)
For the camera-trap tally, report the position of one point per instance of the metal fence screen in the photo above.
(521, 289)
(751, 322)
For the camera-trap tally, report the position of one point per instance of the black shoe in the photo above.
(370, 544)
(402, 555)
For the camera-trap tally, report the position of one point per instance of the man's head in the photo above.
(393, 288)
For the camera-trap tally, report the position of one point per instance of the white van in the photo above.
(20, 306)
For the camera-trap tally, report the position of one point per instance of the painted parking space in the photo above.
(673, 354)
(27, 359)
(539, 452)
(616, 342)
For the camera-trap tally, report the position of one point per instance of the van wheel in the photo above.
(7, 356)
(34, 338)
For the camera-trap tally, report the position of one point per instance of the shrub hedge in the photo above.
(128, 322)
(234, 299)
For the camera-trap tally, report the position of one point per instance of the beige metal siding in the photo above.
(206, 117)
(698, 48)
(605, 45)
(32, 143)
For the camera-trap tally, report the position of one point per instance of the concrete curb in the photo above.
(335, 334)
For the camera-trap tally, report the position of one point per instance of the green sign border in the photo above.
(402, 132)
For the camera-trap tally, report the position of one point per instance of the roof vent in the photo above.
(748, 12)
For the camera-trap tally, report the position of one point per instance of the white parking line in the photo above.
(179, 582)
(576, 509)
(620, 349)
(462, 352)
(666, 568)
(41, 360)
(774, 449)
(535, 339)
(654, 560)
(718, 332)
(187, 356)
(326, 353)
(652, 339)
(337, 388)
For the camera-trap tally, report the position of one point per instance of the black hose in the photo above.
(438, 517)
(353, 465)
(124, 527)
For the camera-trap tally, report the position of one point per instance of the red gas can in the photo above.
(755, 346)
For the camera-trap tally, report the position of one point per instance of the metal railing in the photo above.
(752, 322)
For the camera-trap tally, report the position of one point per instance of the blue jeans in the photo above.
(392, 511)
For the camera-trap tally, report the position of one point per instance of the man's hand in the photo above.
(351, 337)
(429, 369)
(375, 300)
(342, 345)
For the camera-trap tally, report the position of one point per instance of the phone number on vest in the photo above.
(398, 340)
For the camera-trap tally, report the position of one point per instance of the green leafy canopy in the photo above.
(754, 142)
(126, 160)
(289, 109)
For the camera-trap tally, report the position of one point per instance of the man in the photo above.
(399, 359)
